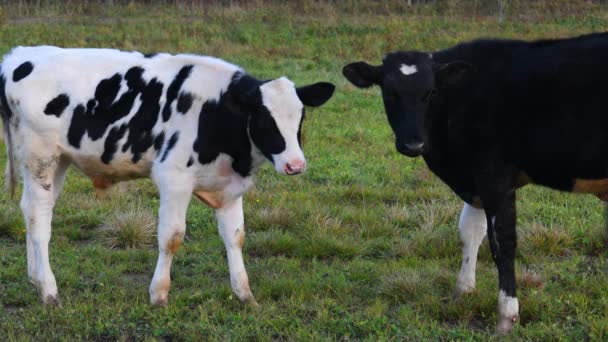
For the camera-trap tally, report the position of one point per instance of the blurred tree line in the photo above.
(502, 9)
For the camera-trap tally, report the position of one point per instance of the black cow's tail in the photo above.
(10, 179)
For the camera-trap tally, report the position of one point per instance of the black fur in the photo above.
(5, 110)
(174, 89)
(22, 71)
(184, 102)
(111, 143)
(57, 105)
(78, 126)
(140, 137)
(159, 140)
(170, 144)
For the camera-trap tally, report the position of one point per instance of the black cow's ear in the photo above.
(452, 74)
(362, 74)
(316, 94)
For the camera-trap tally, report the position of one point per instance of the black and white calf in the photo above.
(194, 124)
(490, 116)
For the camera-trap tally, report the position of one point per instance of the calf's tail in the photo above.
(10, 179)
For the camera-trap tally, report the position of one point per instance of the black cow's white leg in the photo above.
(503, 241)
(473, 228)
(231, 227)
(37, 202)
(175, 193)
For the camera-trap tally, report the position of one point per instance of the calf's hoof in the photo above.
(159, 300)
(250, 301)
(159, 293)
(463, 289)
(51, 301)
(505, 325)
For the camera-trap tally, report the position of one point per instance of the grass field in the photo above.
(363, 246)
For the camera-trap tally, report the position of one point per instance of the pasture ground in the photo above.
(363, 246)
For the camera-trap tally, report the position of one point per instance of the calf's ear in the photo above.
(453, 74)
(362, 74)
(316, 94)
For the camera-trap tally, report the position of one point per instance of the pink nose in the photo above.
(295, 167)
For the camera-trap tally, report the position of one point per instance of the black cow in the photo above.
(491, 115)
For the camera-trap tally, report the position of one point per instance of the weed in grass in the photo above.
(131, 228)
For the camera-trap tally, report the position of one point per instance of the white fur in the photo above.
(231, 226)
(473, 228)
(38, 137)
(508, 307)
(408, 69)
(280, 97)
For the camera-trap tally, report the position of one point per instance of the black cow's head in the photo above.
(277, 112)
(408, 81)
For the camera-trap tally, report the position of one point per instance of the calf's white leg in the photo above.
(231, 227)
(42, 183)
(473, 228)
(175, 193)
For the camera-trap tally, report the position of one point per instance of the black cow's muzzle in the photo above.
(412, 149)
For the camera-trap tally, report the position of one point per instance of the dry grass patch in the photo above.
(131, 228)
(549, 241)
(404, 285)
(431, 215)
(269, 217)
(527, 278)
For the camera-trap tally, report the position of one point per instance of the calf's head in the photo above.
(408, 81)
(276, 119)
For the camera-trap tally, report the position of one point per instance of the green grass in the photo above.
(363, 246)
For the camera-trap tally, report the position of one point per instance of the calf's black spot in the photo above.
(190, 162)
(174, 89)
(184, 102)
(150, 55)
(111, 143)
(170, 144)
(57, 105)
(77, 126)
(22, 71)
(159, 140)
(140, 137)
